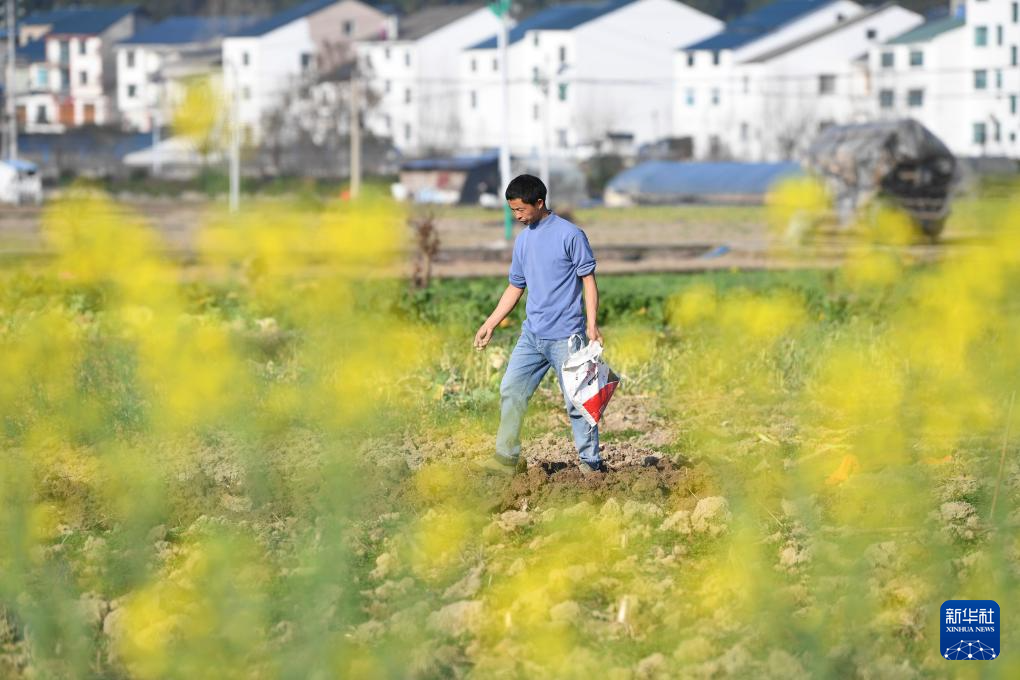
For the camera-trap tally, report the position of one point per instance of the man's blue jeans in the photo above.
(528, 364)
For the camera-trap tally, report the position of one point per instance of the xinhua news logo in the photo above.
(970, 630)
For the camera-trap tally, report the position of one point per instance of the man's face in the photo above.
(525, 212)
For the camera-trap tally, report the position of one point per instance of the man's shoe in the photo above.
(587, 469)
(495, 465)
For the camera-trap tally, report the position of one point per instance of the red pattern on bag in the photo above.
(596, 405)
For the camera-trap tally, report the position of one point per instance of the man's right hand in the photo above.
(483, 336)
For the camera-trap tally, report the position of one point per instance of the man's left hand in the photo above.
(594, 334)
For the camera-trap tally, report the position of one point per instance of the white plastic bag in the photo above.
(588, 381)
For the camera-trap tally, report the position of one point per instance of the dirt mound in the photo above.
(560, 483)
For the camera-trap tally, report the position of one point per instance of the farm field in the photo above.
(640, 239)
(254, 461)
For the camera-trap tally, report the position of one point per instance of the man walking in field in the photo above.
(553, 260)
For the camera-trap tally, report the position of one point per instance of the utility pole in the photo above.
(501, 8)
(546, 86)
(157, 166)
(156, 83)
(9, 91)
(355, 187)
(550, 86)
(235, 141)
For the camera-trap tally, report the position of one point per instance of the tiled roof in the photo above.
(32, 52)
(181, 30)
(754, 25)
(425, 21)
(296, 12)
(80, 20)
(823, 32)
(928, 30)
(558, 18)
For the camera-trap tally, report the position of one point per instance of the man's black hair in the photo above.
(528, 188)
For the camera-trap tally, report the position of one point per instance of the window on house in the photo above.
(387, 121)
(387, 86)
(81, 46)
(129, 57)
(996, 131)
(40, 114)
(715, 96)
(561, 138)
(474, 99)
(980, 36)
(690, 59)
(998, 35)
(690, 96)
(916, 58)
(563, 55)
(474, 65)
(534, 39)
(888, 59)
(536, 112)
(534, 74)
(826, 84)
(980, 79)
(871, 34)
(42, 77)
(980, 135)
(915, 98)
(65, 51)
(715, 58)
(1012, 55)
(714, 146)
(407, 58)
(563, 92)
(495, 64)
(245, 59)
(886, 99)
(83, 78)
(998, 78)
(306, 61)
(744, 132)
(407, 131)
(386, 53)
(131, 91)
(348, 27)
(840, 18)
(1016, 12)
(407, 96)
(747, 84)
(1012, 104)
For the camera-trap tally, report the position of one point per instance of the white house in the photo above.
(152, 62)
(579, 73)
(801, 87)
(265, 63)
(994, 36)
(413, 77)
(711, 85)
(69, 58)
(959, 76)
